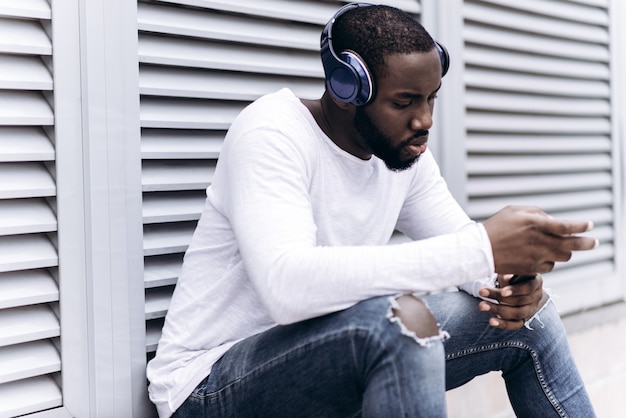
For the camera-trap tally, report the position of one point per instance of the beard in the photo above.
(379, 144)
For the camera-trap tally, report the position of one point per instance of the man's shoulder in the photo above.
(274, 105)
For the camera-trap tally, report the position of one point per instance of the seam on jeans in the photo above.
(536, 363)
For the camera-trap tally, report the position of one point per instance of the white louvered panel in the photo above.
(566, 10)
(24, 324)
(187, 114)
(22, 252)
(534, 164)
(24, 108)
(20, 36)
(481, 208)
(534, 64)
(512, 19)
(538, 184)
(184, 82)
(176, 175)
(180, 144)
(538, 119)
(543, 144)
(21, 288)
(306, 11)
(19, 180)
(153, 333)
(29, 395)
(225, 27)
(24, 73)
(29, 328)
(25, 216)
(546, 105)
(33, 9)
(600, 256)
(482, 122)
(22, 361)
(162, 270)
(157, 302)
(25, 144)
(233, 57)
(568, 285)
(529, 83)
(535, 44)
(160, 239)
(183, 206)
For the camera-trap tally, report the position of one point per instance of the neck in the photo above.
(337, 123)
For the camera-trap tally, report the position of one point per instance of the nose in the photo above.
(422, 118)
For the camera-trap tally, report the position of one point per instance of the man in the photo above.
(290, 302)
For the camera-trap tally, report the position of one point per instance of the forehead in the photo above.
(414, 71)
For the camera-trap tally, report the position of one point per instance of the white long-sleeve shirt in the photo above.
(295, 227)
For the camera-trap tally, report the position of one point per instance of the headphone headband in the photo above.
(347, 76)
(348, 79)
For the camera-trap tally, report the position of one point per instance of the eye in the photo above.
(432, 96)
(402, 105)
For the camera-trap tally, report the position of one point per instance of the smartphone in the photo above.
(521, 278)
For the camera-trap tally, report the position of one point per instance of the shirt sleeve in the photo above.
(267, 202)
(474, 286)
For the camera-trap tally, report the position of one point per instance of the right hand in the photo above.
(526, 240)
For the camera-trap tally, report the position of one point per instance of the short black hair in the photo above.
(374, 32)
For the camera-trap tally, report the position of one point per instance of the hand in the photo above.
(517, 303)
(527, 240)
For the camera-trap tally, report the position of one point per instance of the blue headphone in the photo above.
(347, 77)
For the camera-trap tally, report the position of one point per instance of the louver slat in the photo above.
(28, 360)
(28, 395)
(22, 288)
(25, 144)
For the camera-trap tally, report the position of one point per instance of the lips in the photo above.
(417, 145)
(417, 148)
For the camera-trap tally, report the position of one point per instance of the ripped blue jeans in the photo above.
(363, 362)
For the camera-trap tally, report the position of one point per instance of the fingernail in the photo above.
(507, 292)
(483, 307)
(596, 244)
(589, 225)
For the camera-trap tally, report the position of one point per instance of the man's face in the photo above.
(394, 127)
(395, 157)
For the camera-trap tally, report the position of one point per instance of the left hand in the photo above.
(517, 303)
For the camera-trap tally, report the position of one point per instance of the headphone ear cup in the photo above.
(444, 57)
(363, 86)
(342, 83)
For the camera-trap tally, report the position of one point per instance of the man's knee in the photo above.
(416, 316)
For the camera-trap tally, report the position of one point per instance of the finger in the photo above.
(563, 227)
(582, 243)
(510, 325)
(499, 321)
(493, 293)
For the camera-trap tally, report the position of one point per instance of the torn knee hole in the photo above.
(415, 316)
